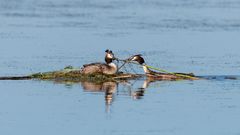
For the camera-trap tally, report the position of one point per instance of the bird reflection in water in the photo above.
(140, 92)
(109, 88)
(112, 89)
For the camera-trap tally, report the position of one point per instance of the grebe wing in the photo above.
(93, 64)
(92, 68)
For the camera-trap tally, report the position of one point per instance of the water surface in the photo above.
(200, 36)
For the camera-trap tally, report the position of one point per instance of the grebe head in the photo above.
(109, 56)
(138, 58)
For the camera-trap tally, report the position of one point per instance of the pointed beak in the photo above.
(115, 58)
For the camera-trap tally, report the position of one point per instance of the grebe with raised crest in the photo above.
(105, 68)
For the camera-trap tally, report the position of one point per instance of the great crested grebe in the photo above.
(158, 75)
(105, 68)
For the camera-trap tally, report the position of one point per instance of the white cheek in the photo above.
(134, 58)
(109, 56)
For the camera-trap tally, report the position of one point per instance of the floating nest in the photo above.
(70, 74)
(74, 75)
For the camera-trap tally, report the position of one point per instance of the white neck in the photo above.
(145, 68)
(114, 68)
(113, 65)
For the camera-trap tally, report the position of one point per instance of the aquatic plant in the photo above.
(71, 74)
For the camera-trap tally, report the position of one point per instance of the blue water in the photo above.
(200, 36)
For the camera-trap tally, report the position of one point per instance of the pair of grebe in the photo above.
(111, 68)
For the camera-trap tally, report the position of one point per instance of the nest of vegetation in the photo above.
(74, 75)
(70, 74)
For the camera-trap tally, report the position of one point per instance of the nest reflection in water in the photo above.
(134, 89)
